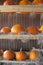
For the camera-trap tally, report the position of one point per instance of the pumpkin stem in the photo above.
(20, 49)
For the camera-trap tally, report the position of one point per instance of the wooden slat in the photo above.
(19, 8)
(23, 62)
(12, 36)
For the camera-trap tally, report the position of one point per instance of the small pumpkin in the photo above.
(32, 30)
(5, 30)
(33, 55)
(8, 55)
(41, 28)
(38, 2)
(17, 29)
(21, 56)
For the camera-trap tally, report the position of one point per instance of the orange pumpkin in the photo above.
(24, 2)
(24, 13)
(9, 2)
(33, 55)
(21, 56)
(38, 2)
(5, 30)
(32, 30)
(41, 28)
(17, 29)
(8, 55)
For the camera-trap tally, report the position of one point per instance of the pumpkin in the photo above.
(37, 2)
(8, 55)
(17, 29)
(21, 56)
(32, 30)
(41, 28)
(5, 30)
(33, 55)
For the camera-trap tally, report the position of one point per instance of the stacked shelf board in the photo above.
(18, 9)
(28, 36)
(21, 8)
(24, 62)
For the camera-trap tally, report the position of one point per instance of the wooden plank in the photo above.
(21, 8)
(12, 36)
(14, 61)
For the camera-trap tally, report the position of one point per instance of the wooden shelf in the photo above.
(22, 36)
(19, 8)
(20, 62)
